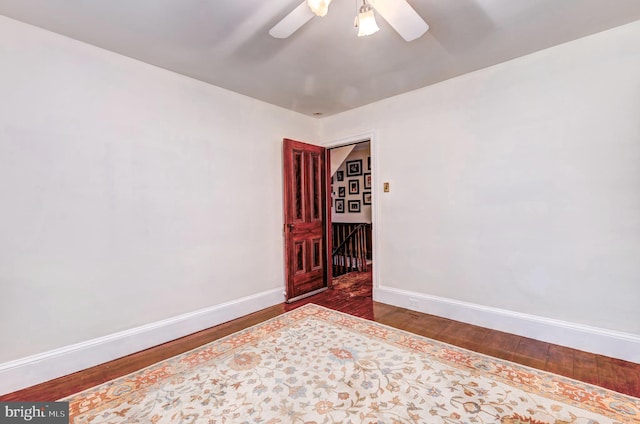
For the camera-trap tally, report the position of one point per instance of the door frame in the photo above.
(375, 193)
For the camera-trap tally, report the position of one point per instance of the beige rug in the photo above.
(315, 365)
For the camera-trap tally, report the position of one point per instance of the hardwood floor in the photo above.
(614, 374)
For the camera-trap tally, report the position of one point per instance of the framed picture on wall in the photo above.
(354, 206)
(367, 181)
(354, 186)
(369, 163)
(340, 175)
(339, 205)
(354, 168)
(366, 198)
(342, 191)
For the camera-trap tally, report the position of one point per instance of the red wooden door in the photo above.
(307, 224)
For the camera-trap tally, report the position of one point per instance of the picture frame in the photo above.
(354, 168)
(340, 175)
(366, 198)
(367, 181)
(339, 205)
(354, 186)
(342, 191)
(369, 163)
(354, 206)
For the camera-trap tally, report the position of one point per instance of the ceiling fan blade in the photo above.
(402, 17)
(292, 22)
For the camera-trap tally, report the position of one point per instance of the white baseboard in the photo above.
(25, 372)
(577, 336)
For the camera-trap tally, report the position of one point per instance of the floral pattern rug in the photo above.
(316, 365)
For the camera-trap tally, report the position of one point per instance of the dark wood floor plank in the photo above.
(585, 367)
(632, 375)
(560, 360)
(611, 373)
(500, 345)
(461, 334)
(532, 353)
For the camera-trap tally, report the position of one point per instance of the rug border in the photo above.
(409, 333)
(592, 388)
(528, 367)
(186, 352)
(531, 370)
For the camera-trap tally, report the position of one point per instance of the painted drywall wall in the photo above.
(129, 194)
(518, 186)
(338, 156)
(361, 156)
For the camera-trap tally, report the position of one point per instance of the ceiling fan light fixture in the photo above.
(319, 7)
(366, 20)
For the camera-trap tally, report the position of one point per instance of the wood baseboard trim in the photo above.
(600, 341)
(35, 369)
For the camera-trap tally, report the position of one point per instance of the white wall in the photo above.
(338, 156)
(129, 194)
(517, 187)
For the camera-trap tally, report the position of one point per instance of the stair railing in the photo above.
(352, 251)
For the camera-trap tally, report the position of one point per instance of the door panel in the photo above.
(305, 207)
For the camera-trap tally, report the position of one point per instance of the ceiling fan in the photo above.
(398, 13)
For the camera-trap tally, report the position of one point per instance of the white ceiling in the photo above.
(324, 67)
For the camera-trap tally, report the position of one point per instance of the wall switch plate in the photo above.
(386, 187)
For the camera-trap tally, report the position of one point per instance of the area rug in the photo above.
(316, 365)
(354, 284)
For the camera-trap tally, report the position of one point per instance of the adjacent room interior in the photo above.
(477, 187)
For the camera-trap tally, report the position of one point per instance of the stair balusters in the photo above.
(352, 247)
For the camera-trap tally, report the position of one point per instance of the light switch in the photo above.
(386, 187)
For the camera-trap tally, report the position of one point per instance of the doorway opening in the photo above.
(351, 219)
